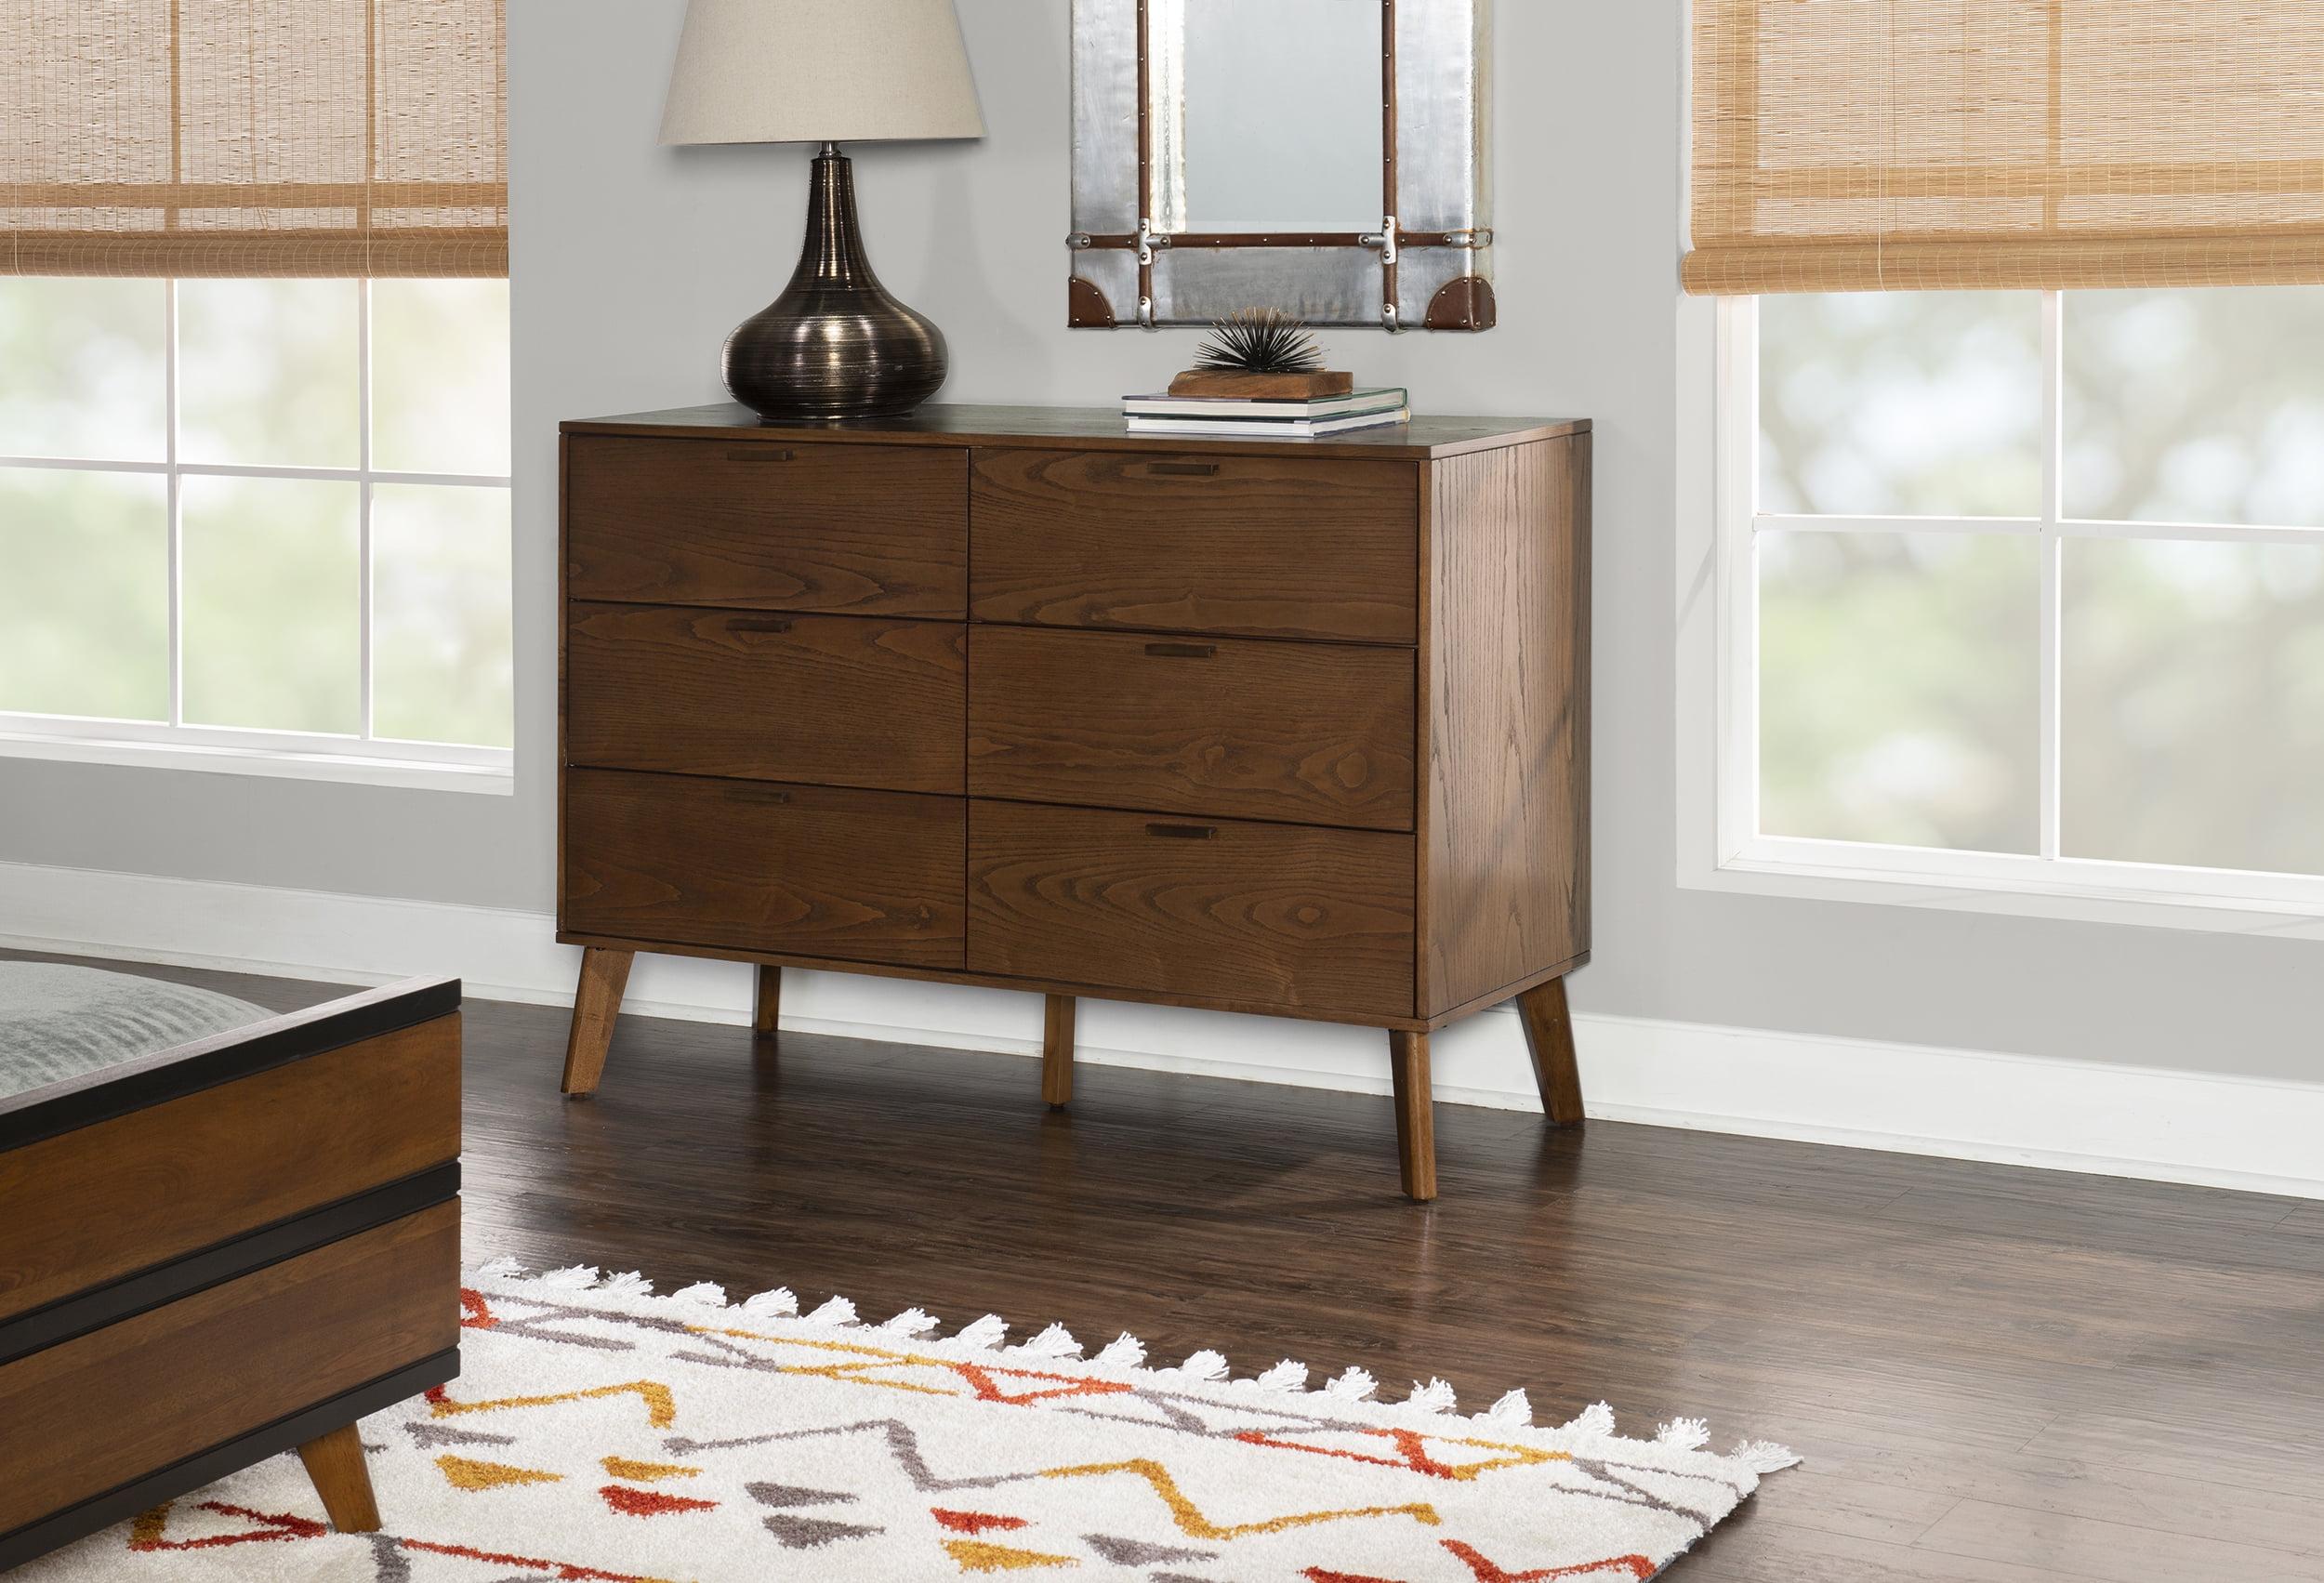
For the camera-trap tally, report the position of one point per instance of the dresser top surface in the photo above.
(1084, 428)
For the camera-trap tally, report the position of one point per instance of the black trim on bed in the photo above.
(227, 1260)
(59, 1528)
(170, 1075)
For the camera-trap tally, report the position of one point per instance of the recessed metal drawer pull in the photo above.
(1184, 832)
(758, 624)
(756, 793)
(1183, 650)
(1183, 469)
(759, 453)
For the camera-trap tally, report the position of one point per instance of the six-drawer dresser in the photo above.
(1008, 696)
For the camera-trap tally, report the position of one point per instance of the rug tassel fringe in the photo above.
(1054, 1343)
(1512, 1411)
(779, 1303)
(1597, 1418)
(1764, 1455)
(985, 1334)
(1433, 1398)
(1124, 1351)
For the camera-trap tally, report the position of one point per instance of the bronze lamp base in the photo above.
(835, 344)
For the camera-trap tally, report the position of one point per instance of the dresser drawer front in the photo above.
(1316, 733)
(1264, 915)
(811, 871)
(837, 700)
(1286, 547)
(867, 529)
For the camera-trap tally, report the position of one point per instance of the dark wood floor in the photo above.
(1996, 1376)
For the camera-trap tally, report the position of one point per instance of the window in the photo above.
(2025, 591)
(258, 524)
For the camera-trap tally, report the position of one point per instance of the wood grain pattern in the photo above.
(1262, 913)
(1416, 1114)
(1549, 1024)
(808, 527)
(1265, 547)
(334, 1465)
(1507, 773)
(596, 1006)
(1316, 733)
(99, 1202)
(1057, 1050)
(120, 1402)
(1083, 428)
(838, 700)
(852, 875)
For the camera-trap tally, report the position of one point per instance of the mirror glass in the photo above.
(1276, 107)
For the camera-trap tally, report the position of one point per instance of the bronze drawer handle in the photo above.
(1181, 469)
(756, 793)
(1184, 832)
(1183, 651)
(758, 624)
(759, 453)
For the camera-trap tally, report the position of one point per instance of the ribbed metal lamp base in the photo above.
(835, 344)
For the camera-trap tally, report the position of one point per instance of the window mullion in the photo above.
(362, 516)
(174, 506)
(2053, 483)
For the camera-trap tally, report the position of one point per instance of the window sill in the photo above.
(492, 780)
(2088, 893)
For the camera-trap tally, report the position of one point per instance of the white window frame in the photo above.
(1719, 845)
(177, 744)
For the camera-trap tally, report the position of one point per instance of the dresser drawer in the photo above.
(1317, 733)
(814, 871)
(1264, 915)
(1286, 547)
(869, 529)
(841, 700)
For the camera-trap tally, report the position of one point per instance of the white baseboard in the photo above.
(2091, 1116)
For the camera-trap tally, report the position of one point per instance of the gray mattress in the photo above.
(58, 1021)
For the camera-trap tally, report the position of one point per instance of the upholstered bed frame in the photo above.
(221, 1250)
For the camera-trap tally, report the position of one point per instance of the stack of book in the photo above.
(1265, 417)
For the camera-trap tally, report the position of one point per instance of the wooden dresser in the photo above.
(1008, 696)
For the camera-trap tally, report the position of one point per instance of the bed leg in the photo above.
(335, 1461)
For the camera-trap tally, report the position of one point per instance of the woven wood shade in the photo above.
(1871, 145)
(242, 138)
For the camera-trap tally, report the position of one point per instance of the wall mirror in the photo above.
(1324, 157)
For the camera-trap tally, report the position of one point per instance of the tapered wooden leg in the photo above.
(596, 1002)
(1416, 1115)
(335, 1461)
(768, 1007)
(1057, 1052)
(1550, 1035)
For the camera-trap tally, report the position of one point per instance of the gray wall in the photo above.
(633, 262)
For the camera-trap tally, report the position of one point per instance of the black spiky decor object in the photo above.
(1260, 340)
(1260, 352)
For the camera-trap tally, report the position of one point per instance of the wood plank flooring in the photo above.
(1996, 1376)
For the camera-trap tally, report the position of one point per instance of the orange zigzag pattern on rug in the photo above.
(980, 1376)
(1193, 1523)
(1412, 1446)
(1636, 1565)
(661, 1407)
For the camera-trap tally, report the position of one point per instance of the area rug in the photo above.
(601, 1435)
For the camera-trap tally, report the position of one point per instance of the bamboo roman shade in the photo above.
(330, 137)
(1869, 145)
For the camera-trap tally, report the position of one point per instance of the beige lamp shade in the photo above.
(816, 71)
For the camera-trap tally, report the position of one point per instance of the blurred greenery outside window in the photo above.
(2041, 575)
(262, 515)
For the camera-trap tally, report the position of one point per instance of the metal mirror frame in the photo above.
(1428, 264)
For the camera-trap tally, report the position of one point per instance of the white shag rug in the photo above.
(601, 1435)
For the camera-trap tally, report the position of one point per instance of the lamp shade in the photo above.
(816, 71)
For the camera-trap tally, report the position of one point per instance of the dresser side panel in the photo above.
(1507, 819)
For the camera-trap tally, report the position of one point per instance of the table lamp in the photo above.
(835, 344)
